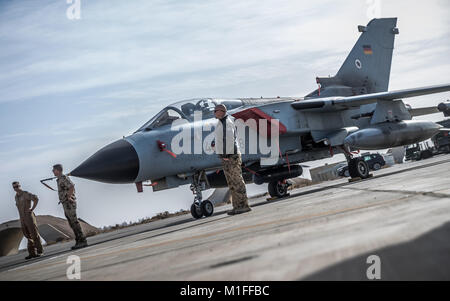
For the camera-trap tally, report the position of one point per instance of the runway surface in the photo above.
(321, 232)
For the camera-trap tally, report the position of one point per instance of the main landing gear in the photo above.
(357, 167)
(200, 207)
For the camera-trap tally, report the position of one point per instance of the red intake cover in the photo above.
(257, 114)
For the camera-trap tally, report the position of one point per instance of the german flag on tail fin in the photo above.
(367, 49)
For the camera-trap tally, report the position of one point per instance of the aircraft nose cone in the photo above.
(117, 162)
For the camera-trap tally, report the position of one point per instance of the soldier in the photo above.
(228, 150)
(66, 193)
(28, 220)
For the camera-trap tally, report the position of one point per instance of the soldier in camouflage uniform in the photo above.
(228, 150)
(66, 193)
(28, 220)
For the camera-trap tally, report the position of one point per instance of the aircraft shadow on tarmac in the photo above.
(424, 258)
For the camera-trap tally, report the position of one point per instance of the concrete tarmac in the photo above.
(321, 232)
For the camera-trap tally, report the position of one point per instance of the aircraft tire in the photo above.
(277, 189)
(196, 212)
(207, 208)
(358, 168)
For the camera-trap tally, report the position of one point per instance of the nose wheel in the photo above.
(196, 211)
(205, 208)
(200, 207)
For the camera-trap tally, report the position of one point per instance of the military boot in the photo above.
(80, 244)
(235, 211)
(32, 256)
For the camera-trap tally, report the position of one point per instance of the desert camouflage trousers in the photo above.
(70, 211)
(30, 231)
(236, 184)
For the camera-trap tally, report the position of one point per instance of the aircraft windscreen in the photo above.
(185, 109)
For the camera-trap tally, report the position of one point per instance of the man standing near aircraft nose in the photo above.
(228, 150)
(66, 193)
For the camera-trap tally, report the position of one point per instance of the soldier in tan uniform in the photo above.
(66, 193)
(28, 220)
(227, 148)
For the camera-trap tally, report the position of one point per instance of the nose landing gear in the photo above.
(200, 207)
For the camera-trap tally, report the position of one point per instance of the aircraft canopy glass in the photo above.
(185, 109)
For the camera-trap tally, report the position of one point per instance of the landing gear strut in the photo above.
(279, 189)
(200, 207)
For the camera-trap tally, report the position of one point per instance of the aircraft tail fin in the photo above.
(369, 62)
(367, 68)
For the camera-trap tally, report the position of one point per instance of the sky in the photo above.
(70, 86)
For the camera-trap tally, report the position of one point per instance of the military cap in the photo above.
(221, 106)
(58, 167)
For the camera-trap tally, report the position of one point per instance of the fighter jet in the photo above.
(350, 111)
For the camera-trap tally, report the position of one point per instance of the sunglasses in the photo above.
(16, 187)
(218, 111)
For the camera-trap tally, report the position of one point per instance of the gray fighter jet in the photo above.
(348, 112)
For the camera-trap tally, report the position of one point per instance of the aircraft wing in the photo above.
(350, 102)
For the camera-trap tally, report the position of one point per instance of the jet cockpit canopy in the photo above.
(185, 110)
